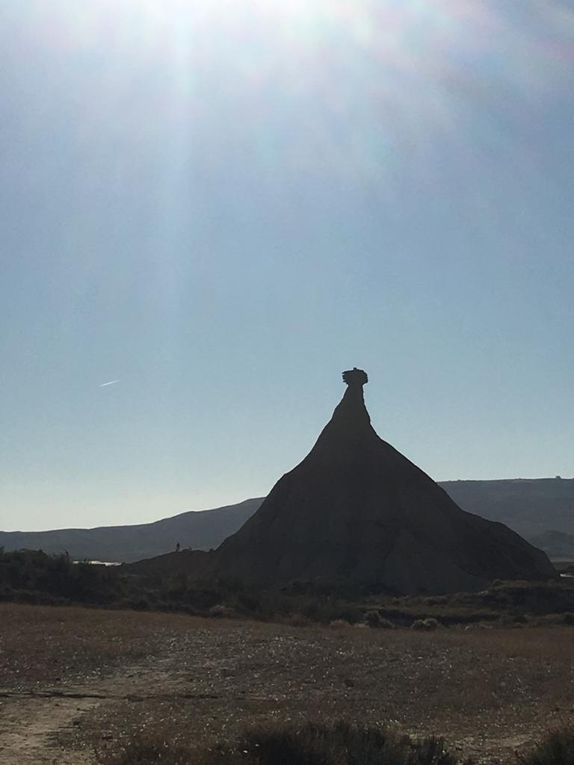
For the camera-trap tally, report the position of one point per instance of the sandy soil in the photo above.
(73, 681)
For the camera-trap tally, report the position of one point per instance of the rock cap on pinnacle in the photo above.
(350, 417)
(355, 376)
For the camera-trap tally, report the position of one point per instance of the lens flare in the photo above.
(349, 88)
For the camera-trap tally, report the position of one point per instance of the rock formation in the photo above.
(356, 510)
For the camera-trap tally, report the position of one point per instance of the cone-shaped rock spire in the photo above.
(356, 510)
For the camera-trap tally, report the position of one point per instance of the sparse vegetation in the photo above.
(310, 744)
(191, 682)
(32, 576)
(557, 748)
(37, 578)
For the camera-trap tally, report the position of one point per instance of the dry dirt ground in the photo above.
(75, 681)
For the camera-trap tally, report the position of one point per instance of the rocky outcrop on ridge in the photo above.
(356, 510)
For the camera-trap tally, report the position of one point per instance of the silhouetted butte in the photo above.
(356, 510)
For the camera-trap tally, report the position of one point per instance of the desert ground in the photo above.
(76, 682)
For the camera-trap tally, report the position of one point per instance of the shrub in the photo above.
(557, 748)
(431, 751)
(373, 619)
(537, 598)
(425, 625)
(296, 620)
(376, 621)
(221, 611)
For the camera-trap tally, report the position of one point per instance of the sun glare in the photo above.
(393, 75)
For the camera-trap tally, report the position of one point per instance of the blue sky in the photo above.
(222, 205)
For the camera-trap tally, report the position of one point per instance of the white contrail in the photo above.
(109, 382)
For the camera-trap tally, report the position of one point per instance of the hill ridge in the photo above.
(532, 512)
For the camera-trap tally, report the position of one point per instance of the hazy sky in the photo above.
(210, 208)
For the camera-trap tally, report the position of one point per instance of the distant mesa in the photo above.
(356, 510)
